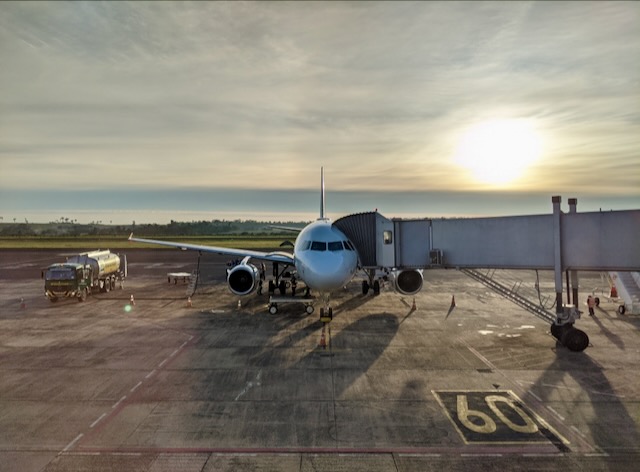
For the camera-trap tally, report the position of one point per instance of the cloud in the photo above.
(261, 94)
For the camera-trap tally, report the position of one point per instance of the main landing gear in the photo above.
(371, 283)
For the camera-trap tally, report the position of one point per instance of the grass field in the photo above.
(121, 242)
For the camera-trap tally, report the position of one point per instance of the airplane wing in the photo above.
(287, 228)
(282, 257)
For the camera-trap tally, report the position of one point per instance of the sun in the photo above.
(498, 152)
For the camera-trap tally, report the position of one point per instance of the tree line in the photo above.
(67, 227)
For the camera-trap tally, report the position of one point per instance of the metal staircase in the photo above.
(511, 294)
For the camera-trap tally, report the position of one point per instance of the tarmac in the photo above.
(222, 385)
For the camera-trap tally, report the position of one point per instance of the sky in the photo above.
(118, 111)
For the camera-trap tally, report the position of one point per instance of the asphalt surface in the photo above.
(224, 385)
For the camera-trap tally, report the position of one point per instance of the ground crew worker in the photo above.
(591, 303)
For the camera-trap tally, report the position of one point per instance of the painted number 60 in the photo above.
(488, 425)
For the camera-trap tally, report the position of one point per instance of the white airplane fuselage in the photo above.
(324, 258)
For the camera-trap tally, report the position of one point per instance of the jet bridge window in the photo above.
(336, 246)
(318, 246)
(387, 237)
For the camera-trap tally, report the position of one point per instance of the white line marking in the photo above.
(597, 454)
(174, 352)
(98, 420)
(150, 374)
(190, 338)
(70, 445)
(136, 386)
(555, 413)
(578, 431)
(163, 362)
(535, 396)
(184, 344)
(126, 454)
(118, 402)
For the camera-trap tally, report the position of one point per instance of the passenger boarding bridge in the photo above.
(561, 242)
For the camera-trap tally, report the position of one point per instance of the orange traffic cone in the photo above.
(132, 302)
(453, 301)
(189, 305)
(23, 304)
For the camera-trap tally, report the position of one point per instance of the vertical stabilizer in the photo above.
(322, 207)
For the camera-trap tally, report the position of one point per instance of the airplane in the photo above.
(324, 259)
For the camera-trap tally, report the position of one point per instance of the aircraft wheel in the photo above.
(272, 287)
(575, 340)
(282, 287)
(365, 287)
(376, 287)
(273, 308)
(309, 309)
(622, 309)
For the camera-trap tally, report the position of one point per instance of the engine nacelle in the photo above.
(407, 282)
(242, 279)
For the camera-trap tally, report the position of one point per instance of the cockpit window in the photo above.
(306, 245)
(348, 246)
(335, 246)
(318, 246)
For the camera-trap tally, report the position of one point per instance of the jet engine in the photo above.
(407, 282)
(242, 279)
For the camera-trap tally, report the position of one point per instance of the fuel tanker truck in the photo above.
(84, 273)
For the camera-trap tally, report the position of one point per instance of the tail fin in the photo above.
(322, 207)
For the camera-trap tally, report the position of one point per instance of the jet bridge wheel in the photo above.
(575, 340)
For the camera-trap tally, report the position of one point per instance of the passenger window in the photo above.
(387, 237)
(335, 246)
(318, 246)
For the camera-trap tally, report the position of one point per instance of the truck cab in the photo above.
(66, 281)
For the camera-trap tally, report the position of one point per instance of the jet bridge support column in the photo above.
(573, 202)
(557, 251)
